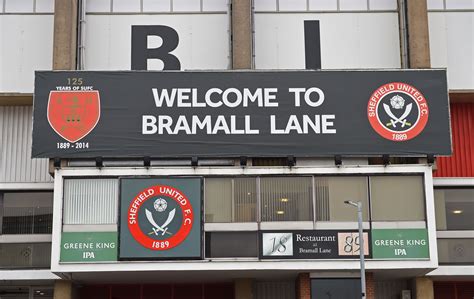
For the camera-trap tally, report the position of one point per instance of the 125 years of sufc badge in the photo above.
(397, 111)
(160, 217)
(73, 114)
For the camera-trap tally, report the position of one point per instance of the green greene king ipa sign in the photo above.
(88, 247)
(400, 244)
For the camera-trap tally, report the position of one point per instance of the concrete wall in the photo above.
(452, 46)
(348, 40)
(26, 45)
(203, 40)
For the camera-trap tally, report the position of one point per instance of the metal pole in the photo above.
(361, 250)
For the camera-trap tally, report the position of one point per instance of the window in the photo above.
(286, 198)
(25, 255)
(156, 5)
(43, 293)
(231, 199)
(456, 251)
(275, 289)
(90, 201)
(8, 292)
(19, 6)
(346, 288)
(231, 244)
(397, 198)
(331, 192)
(27, 212)
(454, 209)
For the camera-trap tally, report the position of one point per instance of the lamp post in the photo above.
(358, 204)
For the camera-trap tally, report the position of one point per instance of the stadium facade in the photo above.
(226, 176)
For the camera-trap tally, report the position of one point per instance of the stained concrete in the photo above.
(65, 35)
(62, 289)
(424, 288)
(418, 34)
(241, 34)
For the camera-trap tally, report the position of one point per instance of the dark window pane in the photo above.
(156, 291)
(218, 291)
(125, 291)
(14, 292)
(27, 213)
(275, 290)
(456, 251)
(390, 289)
(94, 292)
(43, 293)
(454, 209)
(231, 244)
(21, 255)
(335, 288)
(286, 198)
(444, 290)
(188, 291)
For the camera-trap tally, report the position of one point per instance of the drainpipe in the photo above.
(404, 49)
(81, 35)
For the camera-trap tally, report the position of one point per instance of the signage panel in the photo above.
(88, 247)
(311, 244)
(400, 244)
(160, 218)
(231, 114)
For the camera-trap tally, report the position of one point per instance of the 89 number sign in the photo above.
(349, 243)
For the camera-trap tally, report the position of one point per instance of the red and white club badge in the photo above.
(397, 111)
(73, 114)
(160, 217)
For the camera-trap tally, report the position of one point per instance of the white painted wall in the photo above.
(452, 46)
(348, 40)
(203, 40)
(26, 45)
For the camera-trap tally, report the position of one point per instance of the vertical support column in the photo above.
(65, 35)
(62, 289)
(418, 34)
(369, 285)
(303, 286)
(242, 34)
(243, 288)
(64, 41)
(424, 288)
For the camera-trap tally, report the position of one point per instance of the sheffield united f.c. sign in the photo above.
(160, 218)
(398, 111)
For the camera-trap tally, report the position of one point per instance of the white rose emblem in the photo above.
(160, 205)
(397, 102)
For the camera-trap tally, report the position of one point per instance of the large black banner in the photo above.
(231, 114)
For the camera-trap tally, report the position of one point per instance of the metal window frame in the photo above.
(31, 289)
(453, 184)
(425, 206)
(22, 238)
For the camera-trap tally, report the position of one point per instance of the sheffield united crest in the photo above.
(73, 114)
(160, 217)
(397, 111)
